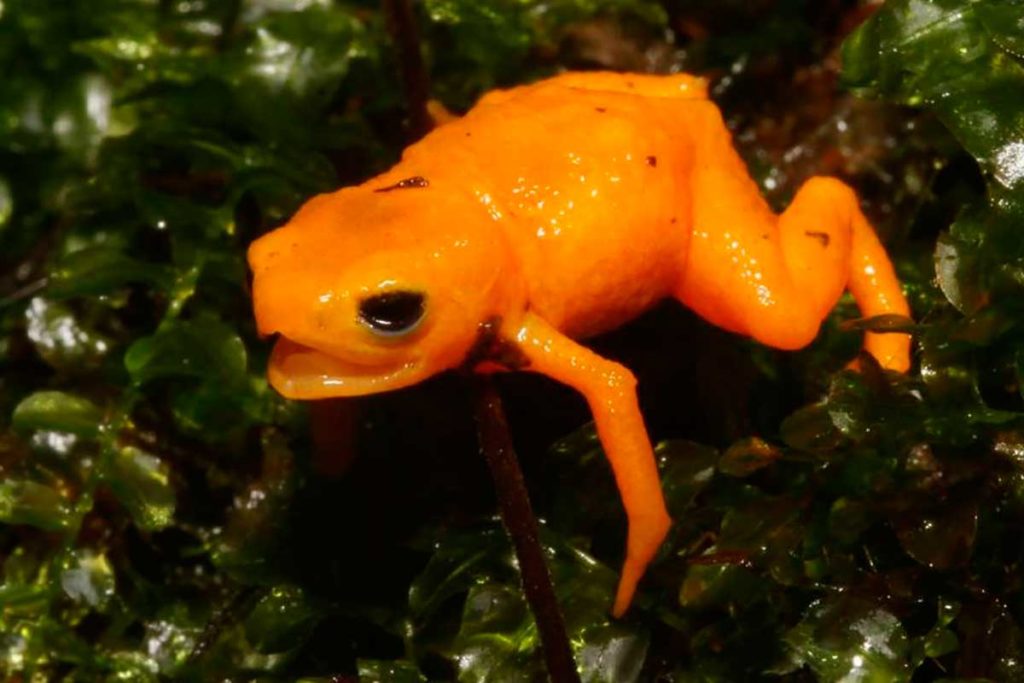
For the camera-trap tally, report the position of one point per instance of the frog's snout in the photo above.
(283, 292)
(322, 350)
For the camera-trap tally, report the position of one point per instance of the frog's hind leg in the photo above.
(826, 203)
(776, 278)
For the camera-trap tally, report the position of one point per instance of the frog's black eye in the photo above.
(392, 314)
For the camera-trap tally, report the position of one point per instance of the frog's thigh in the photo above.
(610, 392)
(744, 263)
(777, 278)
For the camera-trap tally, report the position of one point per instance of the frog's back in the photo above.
(587, 174)
(671, 87)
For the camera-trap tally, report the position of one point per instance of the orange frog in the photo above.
(548, 213)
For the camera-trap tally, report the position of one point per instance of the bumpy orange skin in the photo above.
(549, 213)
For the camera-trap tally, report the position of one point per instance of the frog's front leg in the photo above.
(610, 390)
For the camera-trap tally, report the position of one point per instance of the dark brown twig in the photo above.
(222, 617)
(517, 515)
(492, 428)
(415, 81)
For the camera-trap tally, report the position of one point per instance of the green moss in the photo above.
(165, 515)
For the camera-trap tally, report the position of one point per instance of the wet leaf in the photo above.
(450, 571)
(141, 482)
(845, 639)
(295, 57)
(249, 544)
(810, 429)
(991, 641)
(483, 654)
(956, 271)
(38, 505)
(133, 667)
(940, 539)
(388, 671)
(686, 468)
(745, 457)
(61, 339)
(218, 410)
(939, 53)
(58, 411)
(848, 519)
(161, 516)
(487, 40)
(14, 597)
(722, 583)
(204, 349)
(171, 641)
(612, 652)
(102, 270)
(88, 578)
(1004, 22)
(281, 620)
(497, 637)
(940, 643)
(6, 203)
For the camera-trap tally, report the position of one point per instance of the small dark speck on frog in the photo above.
(406, 184)
(820, 236)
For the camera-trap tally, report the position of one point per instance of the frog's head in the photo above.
(371, 291)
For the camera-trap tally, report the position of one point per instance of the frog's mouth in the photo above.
(304, 373)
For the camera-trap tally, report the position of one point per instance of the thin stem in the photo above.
(492, 428)
(415, 81)
(521, 524)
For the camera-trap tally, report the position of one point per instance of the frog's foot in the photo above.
(645, 536)
(610, 390)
